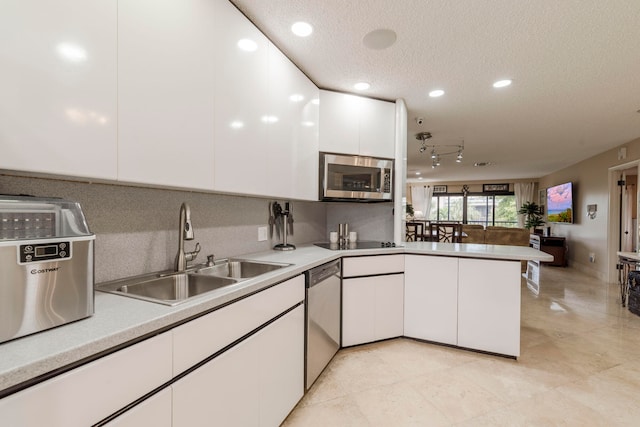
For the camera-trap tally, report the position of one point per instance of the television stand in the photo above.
(556, 246)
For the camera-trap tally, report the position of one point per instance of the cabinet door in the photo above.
(431, 298)
(292, 135)
(291, 162)
(377, 128)
(281, 361)
(166, 92)
(155, 411)
(239, 318)
(358, 311)
(92, 392)
(242, 112)
(256, 382)
(223, 392)
(58, 86)
(389, 306)
(339, 122)
(489, 306)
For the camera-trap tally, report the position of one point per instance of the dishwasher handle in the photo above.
(319, 274)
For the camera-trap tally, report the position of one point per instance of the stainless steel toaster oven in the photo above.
(46, 265)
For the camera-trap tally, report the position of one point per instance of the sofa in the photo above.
(493, 235)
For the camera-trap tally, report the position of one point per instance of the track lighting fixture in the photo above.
(439, 150)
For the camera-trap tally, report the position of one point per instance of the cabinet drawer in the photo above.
(371, 265)
(204, 336)
(155, 411)
(88, 394)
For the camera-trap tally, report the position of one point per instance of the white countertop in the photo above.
(629, 255)
(120, 320)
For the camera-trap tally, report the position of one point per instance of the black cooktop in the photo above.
(361, 244)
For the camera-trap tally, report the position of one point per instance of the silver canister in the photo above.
(343, 233)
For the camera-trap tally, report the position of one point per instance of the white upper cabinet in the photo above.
(242, 112)
(166, 92)
(377, 128)
(58, 86)
(339, 122)
(292, 134)
(355, 125)
(266, 119)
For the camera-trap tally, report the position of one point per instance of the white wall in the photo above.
(591, 186)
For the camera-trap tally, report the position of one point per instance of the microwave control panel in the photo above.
(386, 183)
(39, 252)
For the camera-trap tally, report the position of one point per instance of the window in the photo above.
(480, 208)
(446, 208)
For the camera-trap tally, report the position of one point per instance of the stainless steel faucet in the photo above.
(185, 233)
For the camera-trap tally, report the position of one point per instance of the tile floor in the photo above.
(579, 366)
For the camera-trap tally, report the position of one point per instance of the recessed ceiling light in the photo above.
(502, 83)
(417, 173)
(361, 86)
(236, 124)
(296, 97)
(269, 119)
(247, 45)
(379, 39)
(436, 93)
(419, 177)
(302, 29)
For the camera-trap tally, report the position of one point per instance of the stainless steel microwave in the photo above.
(355, 178)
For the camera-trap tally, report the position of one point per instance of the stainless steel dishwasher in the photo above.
(323, 295)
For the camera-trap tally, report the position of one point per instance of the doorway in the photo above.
(623, 213)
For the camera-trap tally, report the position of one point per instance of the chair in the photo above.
(414, 231)
(449, 232)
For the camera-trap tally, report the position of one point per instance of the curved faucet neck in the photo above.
(185, 233)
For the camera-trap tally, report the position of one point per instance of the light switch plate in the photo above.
(262, 234)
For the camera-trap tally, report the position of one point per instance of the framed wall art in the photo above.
(495, 188)
(439, 189)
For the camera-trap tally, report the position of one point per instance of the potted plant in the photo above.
(409, 210)
(533, 214)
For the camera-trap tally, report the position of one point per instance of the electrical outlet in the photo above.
(262, 234)
(592, 257)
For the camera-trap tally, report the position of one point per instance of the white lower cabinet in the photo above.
(470, 303)
(489, 306)
(92, 392)
(255, 383)
(155, 411)
(372, 308)
(431, 298)
(372, 298)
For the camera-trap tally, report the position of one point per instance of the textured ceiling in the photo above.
(575, 66)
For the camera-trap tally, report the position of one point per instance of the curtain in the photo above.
(428, 194)
(421, 199)
(525, 192)
(417, 198)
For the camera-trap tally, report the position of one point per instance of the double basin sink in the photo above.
(174, 288)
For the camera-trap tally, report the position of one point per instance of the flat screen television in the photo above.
(560, 203)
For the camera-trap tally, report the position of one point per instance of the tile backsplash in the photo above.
(137, 228)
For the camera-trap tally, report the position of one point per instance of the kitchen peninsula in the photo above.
(466, 295)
